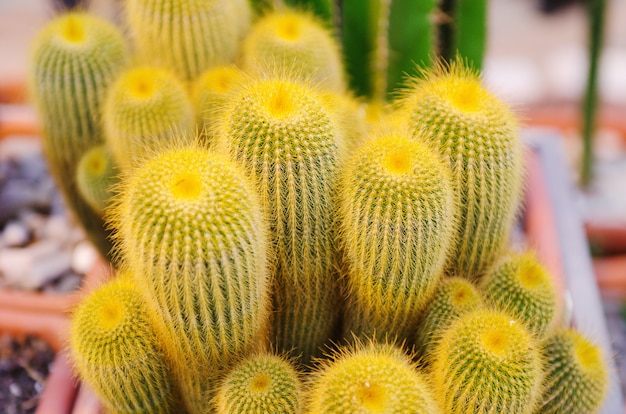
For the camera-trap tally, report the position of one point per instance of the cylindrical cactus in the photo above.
(96, 176)
(372, 378)
(284, 135)
(521, 286)
(455, 296)
(396, 219)
(478, 136)
(260, 384)
(576, 374)
(115, 349)
(192, 35)
(486, 362)
(189, 224)
(145, 107)
(209, 93)
(295, 43)
(75, 58)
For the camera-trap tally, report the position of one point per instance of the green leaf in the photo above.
(471, 33)
(358, 33)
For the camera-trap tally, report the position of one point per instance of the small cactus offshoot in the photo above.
(96, 176)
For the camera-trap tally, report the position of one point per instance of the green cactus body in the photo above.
(188, 36)
(190, 225)
(455, 296)
(397, 218)
(521, 286)
(96, 175)
(210, 92)
(74, 60)
(375, 378)
(285, 137)
(486, 362)
(576, 374)
(477, 134)
(297, 43)
(116, 351)
(145, 107)
(260, 384)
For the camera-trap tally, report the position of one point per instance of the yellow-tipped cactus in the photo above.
(396, 219)
(297, 43)
(210, 91)
(96, 177)
(115, 349)
(74, 60)
(188, 36)
(190, 225)
(284, 135)
(375, 378)
(576, 374)
(521, 286)
(455, 296)
(478, 136)
(486, 362)
(260, 384)
(146, 107)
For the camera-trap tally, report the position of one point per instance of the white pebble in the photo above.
(57, 228)
(48, 268)
(16, 264)
(83, 257)
(15, 234)
(15, 389)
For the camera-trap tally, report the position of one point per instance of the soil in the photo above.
(24, 367)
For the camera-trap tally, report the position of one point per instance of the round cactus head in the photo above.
(372, 378)
(576, 374)
(259, 384)
(521, 286)
(482, 353)
(96, 176)
(146, 107)
(297, 43)
(477, 134)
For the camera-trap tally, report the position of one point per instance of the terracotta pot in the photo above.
(18, 120)
(13, 89)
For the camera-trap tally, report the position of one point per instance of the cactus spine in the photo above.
(485, 362)
(116, 351)
(190, 226)
(397, 217)
(477, 134)
(210, 92)
(576, 374)
(96, 175)
(75, 58)
(145, 107)
(372, 378)
(297, 43)
(260, 384)
(192, 35)
(455, 296)
(521, 286)
(287, 140)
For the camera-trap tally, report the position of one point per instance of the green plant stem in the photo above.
(446, 29)
(596, 10)
(471, 31)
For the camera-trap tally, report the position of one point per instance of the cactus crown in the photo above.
(369, 378)
(96, 177)
(262, 383)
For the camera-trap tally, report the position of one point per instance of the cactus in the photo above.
(372, 378)
(260, 384)
(192, 35)
(284, 135)
(74, 60)
(477, 134)
(397, 218)
(210, 92)
(145, 107)
(455, 296)
(116, 351)
(521, 286)
(190, 226)
(96, 176)
(576, 374)
(297, 43)
(486, 362)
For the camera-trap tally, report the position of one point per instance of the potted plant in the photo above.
(180, 177)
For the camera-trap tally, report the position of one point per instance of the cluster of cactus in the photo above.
(283, 246)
